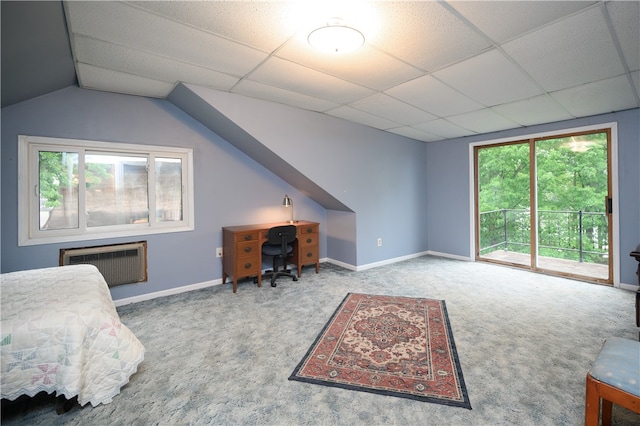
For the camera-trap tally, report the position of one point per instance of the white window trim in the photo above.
(28, 222)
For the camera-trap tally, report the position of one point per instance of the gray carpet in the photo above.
(525, 342)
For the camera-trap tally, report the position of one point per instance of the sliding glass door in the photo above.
(544, 204)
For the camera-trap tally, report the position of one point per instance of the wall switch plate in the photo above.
(219, 252)
(379, 242)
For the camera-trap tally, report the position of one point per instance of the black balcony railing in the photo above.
(573, 235)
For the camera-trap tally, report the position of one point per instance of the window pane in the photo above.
(116, 189)
(168, 189)
(58, 189)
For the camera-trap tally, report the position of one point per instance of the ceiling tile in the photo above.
(395, 110)
(413, 133)
(635, 76)
(443, 128)
(574, 51)
(114, 81)
(241, 21)
(289, 76)
(362, 117)
(625, 16)
(483, 121)
(367, 66)
(118, 58)
(425, 34)
(275, 94)
(433, 96)
(489, 78)
(508, 19)
(128, 26)
(614, 94)
(541, 109)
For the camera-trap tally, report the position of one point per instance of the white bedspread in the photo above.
(61, 333)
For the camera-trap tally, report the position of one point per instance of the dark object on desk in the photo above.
(279, 246)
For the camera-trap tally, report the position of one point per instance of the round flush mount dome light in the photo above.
(336, 37)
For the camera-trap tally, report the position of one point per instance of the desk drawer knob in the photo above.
(247, 265)
(247, 249)
(248, 237)
(309, 240)
(309, 230)
(309, 254)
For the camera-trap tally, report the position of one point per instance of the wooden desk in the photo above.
(242, 249)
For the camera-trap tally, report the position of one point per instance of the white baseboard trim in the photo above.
(448, 255)
(168, 292)
(175, 290)
(630, 287)
(213, 283)
(375, 264)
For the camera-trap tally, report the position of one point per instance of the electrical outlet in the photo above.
(379, 242)
(219, 252)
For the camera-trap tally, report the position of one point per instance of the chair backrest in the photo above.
(280, 234)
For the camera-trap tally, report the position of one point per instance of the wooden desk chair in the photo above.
(279, 246)
(614, 379)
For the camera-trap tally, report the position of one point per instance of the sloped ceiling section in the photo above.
(36, 54)
(207, 114)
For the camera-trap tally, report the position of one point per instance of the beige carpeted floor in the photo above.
(525, 343)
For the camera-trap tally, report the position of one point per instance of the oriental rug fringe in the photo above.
(388, 345)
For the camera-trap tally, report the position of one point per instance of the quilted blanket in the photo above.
(61, 333)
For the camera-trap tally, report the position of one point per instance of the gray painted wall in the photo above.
(414, 196)
(230, 188)
(448, 221)
(379, 176)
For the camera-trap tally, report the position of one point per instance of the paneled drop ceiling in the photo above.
(428, 70)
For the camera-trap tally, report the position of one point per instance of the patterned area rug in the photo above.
(398, 346)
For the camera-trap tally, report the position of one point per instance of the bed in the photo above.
(61, 333)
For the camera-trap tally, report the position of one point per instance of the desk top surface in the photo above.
(240, 228)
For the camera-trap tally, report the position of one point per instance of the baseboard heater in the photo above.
(118, 263)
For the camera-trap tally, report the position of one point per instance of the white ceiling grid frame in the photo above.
(127, 26)
(275, 94)
(398, 111)
(363, 66)
(483, 121)
(489, 78)
(558, 56)
(242, 24)
(443, 38)
(288, 75)
(529, 112)
(143, 64)
(443, 128)
(413, 133)
(529, 62)
(362, 117)
(587, 99)
(433, 96)
(506, 20)
(114, 81)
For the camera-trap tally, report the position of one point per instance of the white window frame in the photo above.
(29, 232)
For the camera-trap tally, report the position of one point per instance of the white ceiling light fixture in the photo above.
(336, 37)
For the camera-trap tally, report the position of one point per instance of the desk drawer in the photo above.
(248, 248)
(248, 266)
(308, 229)
(308, 240)
(247, 236)
(308, 255)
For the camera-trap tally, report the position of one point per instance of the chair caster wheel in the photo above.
(295, 278)
(273, 284)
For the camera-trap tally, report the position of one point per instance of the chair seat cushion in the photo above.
(274, 250)
(618, 364)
